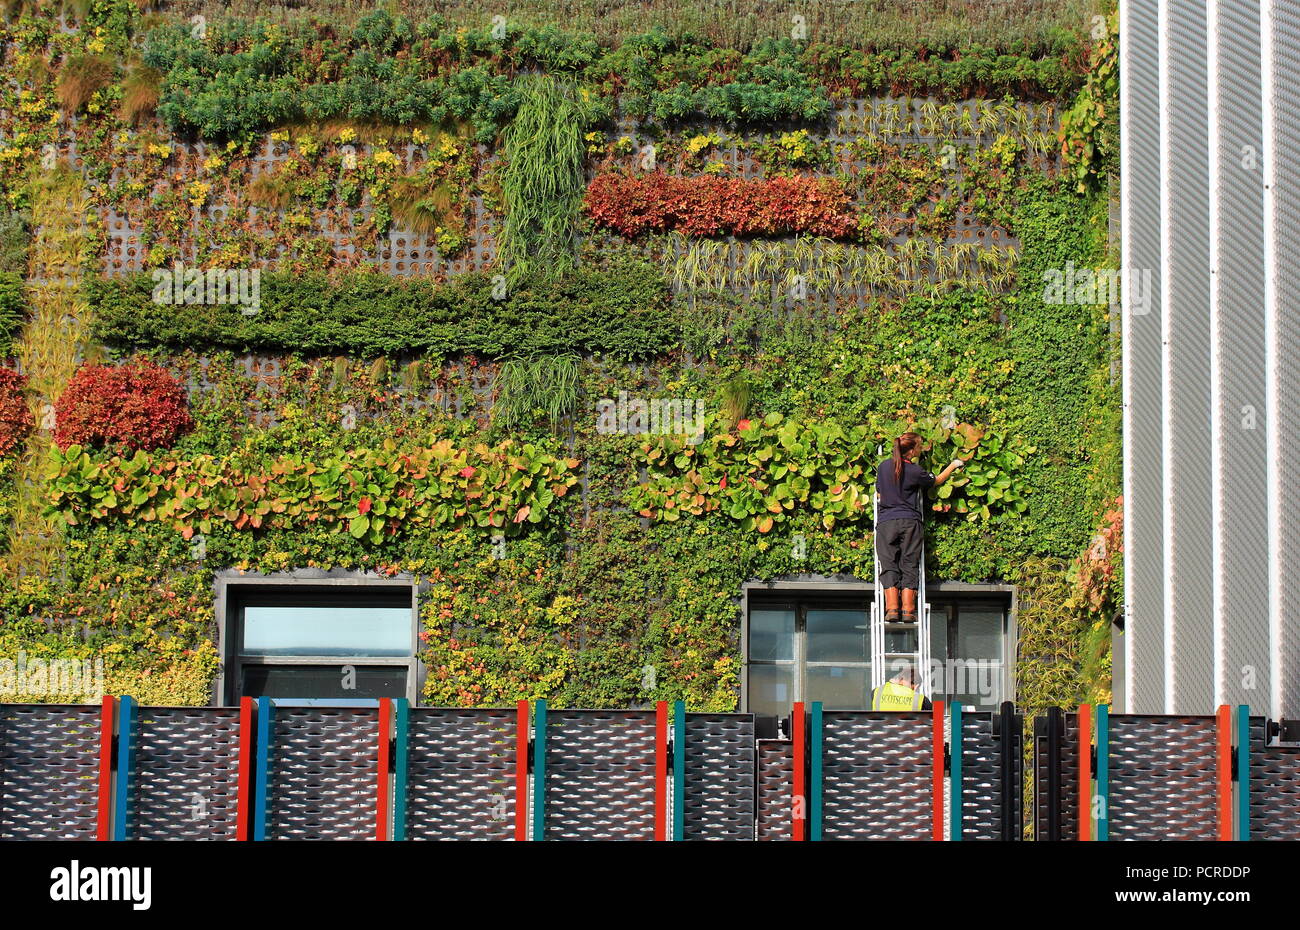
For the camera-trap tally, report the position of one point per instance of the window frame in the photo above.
(829, 589)
(234, 589)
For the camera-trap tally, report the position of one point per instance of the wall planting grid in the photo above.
(117, 771)
(903, 121)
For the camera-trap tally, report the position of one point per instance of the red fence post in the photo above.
(936, 771)
(1224, 765)
(385, 767)
(661, 770)
(1085, 772)
(244, 808)
(104, 815)
(521, 771)
(799, 800)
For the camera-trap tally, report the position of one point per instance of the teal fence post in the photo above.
(679, 770)
(1243, 772)
(815, 739)
(402, 713)
(539, 770)
(1103, 770)
(125, 727)
(954, 772)
(265, 714)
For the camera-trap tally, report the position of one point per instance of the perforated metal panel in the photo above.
(1162, 778)
(720, 774)
(460, 770)
(1144, 492)
(184, 774)
(1067, 798)
(324, 773)
(1274, 788)
(775, 787)
(877, 771)
(600, 774)
(1282, 212)
(49, 771)
(1237, 296)
(982, 777)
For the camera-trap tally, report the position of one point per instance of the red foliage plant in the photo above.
(15, 417)
(709, 206)
(122, 408)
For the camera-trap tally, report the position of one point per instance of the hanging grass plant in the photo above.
(542, 181)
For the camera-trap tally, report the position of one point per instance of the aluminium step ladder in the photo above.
(895, 643)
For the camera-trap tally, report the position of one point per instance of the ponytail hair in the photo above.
(904, 445)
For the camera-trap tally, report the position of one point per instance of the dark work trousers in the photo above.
(898, 543)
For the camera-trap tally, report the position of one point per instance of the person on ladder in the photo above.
(900, 484)
(900, 692)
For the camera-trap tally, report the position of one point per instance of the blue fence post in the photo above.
(402, 713)
(954, 773)
(539, 770)
(125, 743)
(815, 763)
(265, 717)
(1243, 772)
(1103, 771)
(679, 770)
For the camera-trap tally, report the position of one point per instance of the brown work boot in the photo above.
(909, 605)
(891, 605)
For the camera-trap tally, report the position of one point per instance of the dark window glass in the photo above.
(324, 681)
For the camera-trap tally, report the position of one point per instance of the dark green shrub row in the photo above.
(245, 77)
(622, 312)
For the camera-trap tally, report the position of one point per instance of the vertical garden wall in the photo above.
(582, 329)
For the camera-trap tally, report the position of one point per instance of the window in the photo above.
(318, 643)
(814, 645)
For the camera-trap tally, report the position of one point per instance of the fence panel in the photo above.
(1162, 778)
(460, 772)
(773, 798)
(877, 771)
(324, 765)
(984, 783)
(1274, 788)
(49, 771)
(184, 781)
(720, 773)
(600, 775)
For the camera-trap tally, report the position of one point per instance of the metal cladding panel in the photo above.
(600, 774)
(719, 789)
(1163, 778)
(460, 772)
(1241, 478)
(877, 771)
(1282, 210)
(185, 774)
(982, 777)
(324, 774)
(1274, 788)
(775, 788)
(1144, 491)
(49, 771)
(1186, 263)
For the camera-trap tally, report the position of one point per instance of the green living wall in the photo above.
(812, 285)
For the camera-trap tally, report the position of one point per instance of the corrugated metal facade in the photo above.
(1211, 211)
